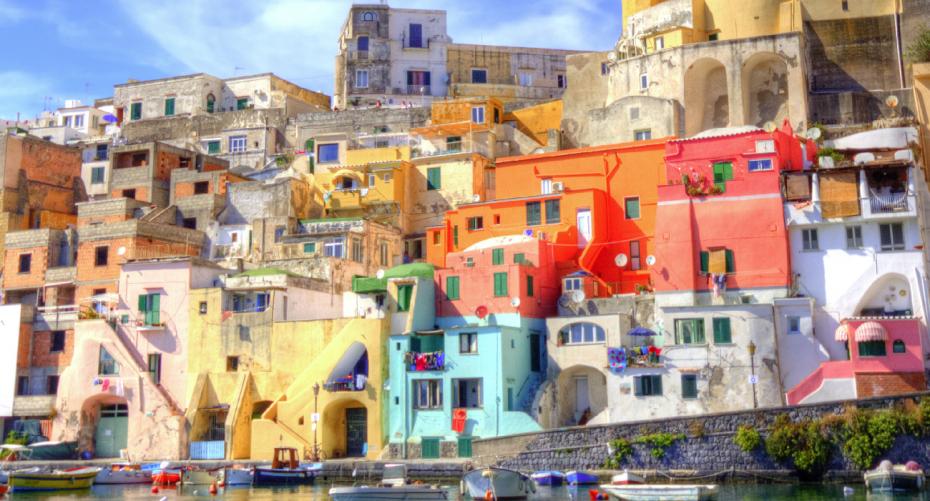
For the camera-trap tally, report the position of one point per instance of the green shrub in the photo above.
(621, 448)
(919, 50)
(871, 436)
(804, 443)
(659, 442)
(747, 438)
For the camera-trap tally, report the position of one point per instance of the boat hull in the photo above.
(503, 484)
(233, 476)
(581, 478)
(166, 477)
(55, 481)
(269, 476)
(548, 478)
(407, 493)
(894, 481)
(660, 492)
(199, 477)
(123, 477)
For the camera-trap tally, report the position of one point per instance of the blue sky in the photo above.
(64, 49)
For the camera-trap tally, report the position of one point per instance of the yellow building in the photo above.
(650, 25)
(251, 377)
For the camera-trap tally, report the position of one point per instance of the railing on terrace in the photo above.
(419, 90)
(451, 149)
(886, 201)
(428, 361)
(63, 313)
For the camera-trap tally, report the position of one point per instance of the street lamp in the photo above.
(313, 420)
(752, 368)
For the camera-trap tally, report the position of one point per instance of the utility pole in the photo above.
(752, 377)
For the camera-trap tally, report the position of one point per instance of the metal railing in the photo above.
(888, 201)
(419, 90)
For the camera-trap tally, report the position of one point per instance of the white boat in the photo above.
(236, 476)
(663, 492)
(394, 486)
(895, 478)
(123, 474)
(497, 483)
(627, 478)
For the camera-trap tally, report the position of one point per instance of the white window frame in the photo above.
(642, 135)
(78, 121)
(335, 247)
(478, 114)
(765, 163)
(765, 146)
(357, 254)
(238, 144)
(572, 284)
(371, 180)
(810, 240)
(892, 246)
(433, 395)
(660, 43)
(545, 186)
(358, 79)
(856, 239)
(525, 78)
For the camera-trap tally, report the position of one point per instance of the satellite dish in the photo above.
(476, 198)
(515, 302)
(813, 133)
(379, 274)
(769, 127)
(528, 232)
(121, 251)
(481, 311)
(891, 101)
(577, 296)
(651, 260)
(621, 260)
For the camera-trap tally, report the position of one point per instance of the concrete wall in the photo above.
(10, 315)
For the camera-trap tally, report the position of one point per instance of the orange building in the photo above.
(596, 205)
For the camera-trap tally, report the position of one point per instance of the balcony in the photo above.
(33, 405)
(429, 150)
(349, 199)
(419, 90)
(60, 274)
(56, 317)
(425, 361)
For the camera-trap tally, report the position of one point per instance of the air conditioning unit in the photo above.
(558, 187)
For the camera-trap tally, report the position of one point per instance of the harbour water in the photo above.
(731, 492)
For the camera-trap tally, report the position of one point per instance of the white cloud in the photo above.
(10, 13)
(19, 92)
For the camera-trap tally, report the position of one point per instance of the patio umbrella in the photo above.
(641, 331)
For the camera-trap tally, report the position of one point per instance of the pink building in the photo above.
(126, 386)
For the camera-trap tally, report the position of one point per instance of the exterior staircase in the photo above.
(131, 352)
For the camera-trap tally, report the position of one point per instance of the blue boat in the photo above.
(552, 478)
(581, 478)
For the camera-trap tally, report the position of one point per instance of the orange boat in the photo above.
(166, 476)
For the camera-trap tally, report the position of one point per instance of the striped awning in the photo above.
(871, 331)
(842, 333)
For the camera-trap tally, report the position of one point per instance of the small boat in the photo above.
(497, 483)
(581, 478)
(548, 478)
(664, 492)
(285, 469)
(236, 476)
(889, 477)
(394, 486)
(123, 473)
(166, 475)
(57, 480)
(199, 477)
(3, 489)
(627, 478)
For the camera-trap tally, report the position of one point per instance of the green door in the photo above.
(430, 448)
(356, 432)
(112, 430)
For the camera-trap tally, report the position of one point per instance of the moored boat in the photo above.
(123, 473)
(394, 486)
(663, 492)
(166, 475)
(285, 469)
(199, 477)
(581, 478)
(548, 478)
(497, 483)
(627, 478)
(236, 476)
(57, 480)
(888, 477)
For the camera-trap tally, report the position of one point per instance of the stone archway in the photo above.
(707, 97)
(889, 294)
(104, 426)
(344, 428)
(765, 89)
(572, 402)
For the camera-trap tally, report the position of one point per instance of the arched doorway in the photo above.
(345, 429)
(707, 99)
(765, 89)
(104, 426)
(583, 394)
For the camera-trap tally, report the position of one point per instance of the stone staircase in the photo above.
(142, 367)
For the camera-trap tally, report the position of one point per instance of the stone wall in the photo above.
(708, 447)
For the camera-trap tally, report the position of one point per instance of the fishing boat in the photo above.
(888, 477)
(165, 474)
(285, 470)
(664, 492)
(497, 483)
(192, 476)
(57, 480)
(123, 473)
(236, 476)
(581, 478)
(627, 478)
(394, 486)
(548, 478)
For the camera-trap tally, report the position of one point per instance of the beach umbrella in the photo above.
(641, 331)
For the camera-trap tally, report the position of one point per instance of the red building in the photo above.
(721, 213)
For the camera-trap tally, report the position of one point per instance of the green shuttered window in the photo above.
(452, 287)
(433, 178)
(500, 284)
(497, 256)
(722, 331)
(404, 295)
(553, 212)
(150, 308)
(533, 214)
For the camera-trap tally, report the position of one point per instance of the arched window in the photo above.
(898, 346)
(369, 16)
(581, 333)
(211, 102)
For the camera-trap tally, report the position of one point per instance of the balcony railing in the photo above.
(419, 90)
(55, 314)
(885, 202)
(449, 149)
(420, 362)
(346, 385)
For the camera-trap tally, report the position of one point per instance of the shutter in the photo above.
(409, 78)
(839, 194)
(455, 236)
(143, 303)
(728, 171)
(529, 285)
(722, 330)
(699, 335)
(717, 261)
(415, 344)
(465, 448)
(533, 216)
(656, 385)
(426, 78)
(155, 312)
(705, 260)
(730, 261)
(497, 256)
(638, 386)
